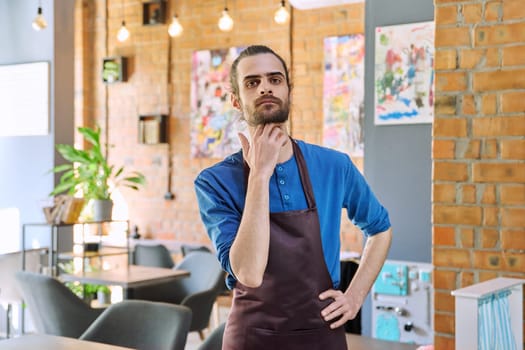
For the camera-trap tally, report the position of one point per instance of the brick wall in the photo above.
(159, 83)
(478, 202)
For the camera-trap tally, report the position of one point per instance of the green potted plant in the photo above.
(86, 291)
(89, 174)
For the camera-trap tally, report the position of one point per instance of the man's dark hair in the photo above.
(252, 51)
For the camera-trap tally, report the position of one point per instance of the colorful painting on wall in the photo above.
(343, 93)
(404, 74)
(213, 119)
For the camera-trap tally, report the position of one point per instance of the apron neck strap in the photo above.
(303, 173)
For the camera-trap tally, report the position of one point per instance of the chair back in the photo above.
(205, 272)
(187, 248)
(200, 290)
(152, 255)
(10, 264)
(53, 307)
(214, 340)
(143, 325)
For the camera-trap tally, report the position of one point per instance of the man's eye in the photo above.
(276, 81)
(251, 83)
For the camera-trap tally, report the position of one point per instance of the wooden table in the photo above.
(359, 342)
(128, 277)
(53, 342)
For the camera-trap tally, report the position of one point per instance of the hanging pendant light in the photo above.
(281, 15)
(39, 22)
(123, 32)
(175, 28)
(225, 22)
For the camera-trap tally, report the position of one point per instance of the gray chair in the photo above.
(152, 255)
(143, 325)
(214, 340)
(185, 249)
(10, 264)
(198, 291)
(53, 307)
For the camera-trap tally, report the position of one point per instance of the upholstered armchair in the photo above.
(198, 291)
(53, 307)
(142, 325)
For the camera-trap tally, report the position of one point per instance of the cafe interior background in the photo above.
(453, 181)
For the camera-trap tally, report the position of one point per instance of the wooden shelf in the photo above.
(153, 129)
(154, 13)
(104, 251)
(114, 69)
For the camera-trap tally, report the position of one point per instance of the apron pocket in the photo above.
(311, 339)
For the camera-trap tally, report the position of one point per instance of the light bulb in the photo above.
(281, 15)
(175, 28)
(225, 22)
(39, 22)
(123, 33)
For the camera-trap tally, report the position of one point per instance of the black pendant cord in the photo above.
(106, 89)
(169, 91)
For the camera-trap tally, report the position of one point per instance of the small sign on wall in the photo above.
(24, 99)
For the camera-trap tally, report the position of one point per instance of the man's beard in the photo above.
(261, 116)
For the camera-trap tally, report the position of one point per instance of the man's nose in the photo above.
(265, 88)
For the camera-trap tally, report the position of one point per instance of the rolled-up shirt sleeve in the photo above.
(363, 207)
(220, 216)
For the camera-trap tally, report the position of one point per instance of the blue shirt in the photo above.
(336, 182)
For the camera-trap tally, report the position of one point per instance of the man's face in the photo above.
(263, 90)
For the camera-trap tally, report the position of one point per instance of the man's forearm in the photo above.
(249, 251)
(371, 262)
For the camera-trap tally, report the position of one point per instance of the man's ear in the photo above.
(235, 102)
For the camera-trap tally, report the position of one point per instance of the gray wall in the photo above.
(398, 158)
(26, 160)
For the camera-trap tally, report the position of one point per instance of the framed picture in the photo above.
(404, 74)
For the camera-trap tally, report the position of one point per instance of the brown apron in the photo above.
(284, 313)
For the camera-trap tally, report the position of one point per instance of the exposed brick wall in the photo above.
(116, 107)
(478, 201)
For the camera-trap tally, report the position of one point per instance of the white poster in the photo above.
(24, 99)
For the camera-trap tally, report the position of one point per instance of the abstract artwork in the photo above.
(404, 74)
(343, 93)
(213, 119)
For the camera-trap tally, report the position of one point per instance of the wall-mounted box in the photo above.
(153, 12)
(153, 129)
(114, 69)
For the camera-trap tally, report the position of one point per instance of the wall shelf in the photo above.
(114, 69)
(153, 129)
(153, 13)
(111, 237)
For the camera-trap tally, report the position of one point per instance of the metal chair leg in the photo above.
(8, 320)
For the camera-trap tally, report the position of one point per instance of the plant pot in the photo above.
(103, 298)
(102, 209)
